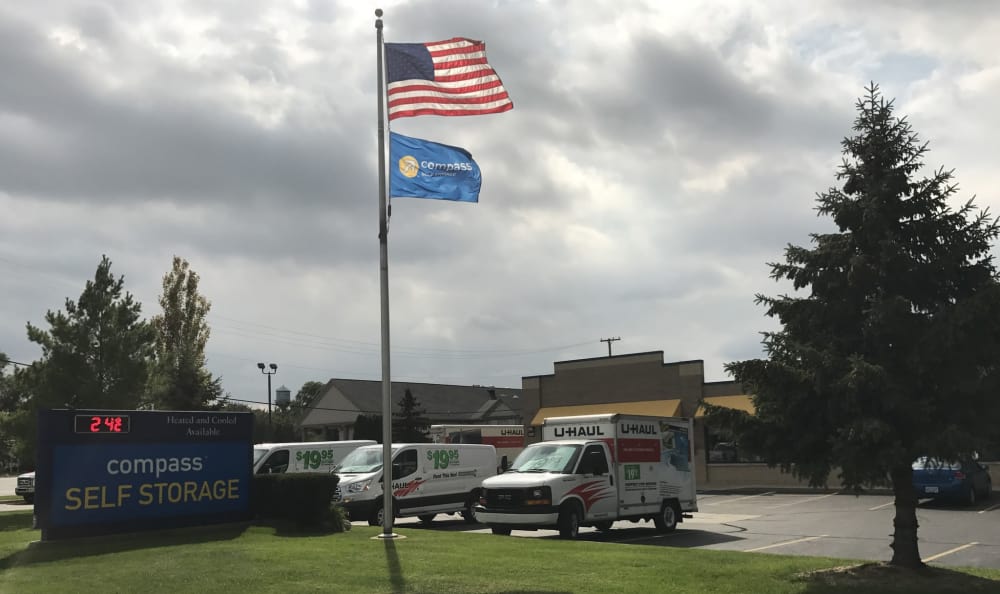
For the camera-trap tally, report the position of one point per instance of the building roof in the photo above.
(739, 402)
(655, 408)
(442, 403)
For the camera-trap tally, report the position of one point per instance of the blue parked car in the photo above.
(966, 481)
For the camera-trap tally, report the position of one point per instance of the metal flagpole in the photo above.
(383, 235)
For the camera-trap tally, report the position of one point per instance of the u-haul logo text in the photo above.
(578, 431)
(637, 429)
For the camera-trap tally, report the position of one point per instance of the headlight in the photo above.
(359, 486)
(538, 496)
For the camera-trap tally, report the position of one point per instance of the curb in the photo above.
(784, 489)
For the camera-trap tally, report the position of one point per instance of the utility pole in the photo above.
(609, 341)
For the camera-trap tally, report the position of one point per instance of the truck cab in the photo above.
(576, 471)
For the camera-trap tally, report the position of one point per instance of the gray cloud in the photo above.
(655, 160)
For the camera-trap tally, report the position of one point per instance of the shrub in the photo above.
(303, 499)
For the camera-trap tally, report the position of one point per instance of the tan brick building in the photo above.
(639, 383)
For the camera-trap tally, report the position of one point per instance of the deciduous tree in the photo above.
(180, 380)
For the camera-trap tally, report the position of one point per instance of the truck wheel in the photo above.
(469, 513)
(377, 517)
(604, 526)
(667, 519)
(29, 498)
(426, 518)
(569, 521)
(500, 530)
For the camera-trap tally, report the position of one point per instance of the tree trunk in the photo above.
(904, 540)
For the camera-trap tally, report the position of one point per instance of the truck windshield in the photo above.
(361, 460)
(258, 453)
(546, 458)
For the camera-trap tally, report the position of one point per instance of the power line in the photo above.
(231, 399)
(365, 412)
(357, 346)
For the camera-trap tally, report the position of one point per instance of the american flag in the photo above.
(446, 78)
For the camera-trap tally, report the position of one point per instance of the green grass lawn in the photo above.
(250, 559)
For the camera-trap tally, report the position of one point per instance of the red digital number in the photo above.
(95, 424)
(114, 424)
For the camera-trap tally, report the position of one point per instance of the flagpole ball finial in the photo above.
(378, 12)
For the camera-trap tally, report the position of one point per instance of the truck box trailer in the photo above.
(507, 439)
(593, 470)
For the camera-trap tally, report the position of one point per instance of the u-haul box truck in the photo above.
(306, 456)
(507, 439)
(427, 479)
(593, 470)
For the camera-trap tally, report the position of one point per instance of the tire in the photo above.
(989, 490)
(668, 517)
(569, 521)
(28, 498)
(469, 512)
(376, 517)
(970, 497)
(500, 530)
(603, 526)
(426, 518)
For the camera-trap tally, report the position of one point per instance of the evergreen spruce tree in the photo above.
(410, 425)
(96, 354)
(889, 347)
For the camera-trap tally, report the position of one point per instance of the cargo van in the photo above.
(593, 470)
(306, 456)
(427, 479)
(507, 439)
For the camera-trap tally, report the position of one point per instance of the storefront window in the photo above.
(723, 448)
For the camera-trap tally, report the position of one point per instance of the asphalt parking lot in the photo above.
(827, 525)
(821, 524)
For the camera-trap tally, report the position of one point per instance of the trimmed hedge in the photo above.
(305, 499)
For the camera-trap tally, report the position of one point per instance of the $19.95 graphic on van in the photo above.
(443, 458)
(314, 458)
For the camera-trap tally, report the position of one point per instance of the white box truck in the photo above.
(427, 479)
(305, 456)
(507, 439)
(593, 470)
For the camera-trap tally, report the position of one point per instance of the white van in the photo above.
(306, 456)
(427, 479)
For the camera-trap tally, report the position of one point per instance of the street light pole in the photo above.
(268, 370)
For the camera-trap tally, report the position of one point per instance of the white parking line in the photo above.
(948, 552)
(741, 498)
(881, 506)
(990, 508)
(816, 498)
(787, 542)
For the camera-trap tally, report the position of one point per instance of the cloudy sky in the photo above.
(658, 155)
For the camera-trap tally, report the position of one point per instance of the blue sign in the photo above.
(111, 471)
